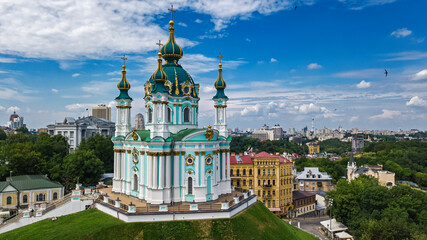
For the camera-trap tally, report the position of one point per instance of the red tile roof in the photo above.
(246, 159)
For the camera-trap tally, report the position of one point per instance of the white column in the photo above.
(179, 114)
(149, 171)
(203, 164)
(161, 172)
(228, 165)
(155, 183)
(168, 171)
(216, 115)
(196, 170)
(223, 165)
(176, 170)
(115, 165)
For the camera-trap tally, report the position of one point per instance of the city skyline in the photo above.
(281, 65)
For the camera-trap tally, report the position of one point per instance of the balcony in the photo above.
(235, 176)
(267, 185)
(267, 196)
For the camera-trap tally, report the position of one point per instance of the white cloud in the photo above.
(208, 89)
(248, 40)
(3, 72)
(363, 84)
(13, 109)
(310, 108)
(7, 60)
(80, 107)
(54, 90)
(273, 60)
(313, 66)
(401, 32)
(387, 114)
(251, 110)
(260, 62)
(361, 4)
(362, 73)
(198, 21)
(182, 24)
(2, 108)
(408, 55)
(75, 75)
(416, 102)
(354, 118)
(420, 75)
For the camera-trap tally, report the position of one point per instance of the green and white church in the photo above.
(173, 160)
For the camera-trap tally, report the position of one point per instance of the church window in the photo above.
(9, 200)
(209, 161)
(169, 114)
(25, 198)
(55, 196)
(40, 197)
(190, 185)
(135, 182)
(186, 115)
(150, 115)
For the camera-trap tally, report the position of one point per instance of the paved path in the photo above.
(311, 225)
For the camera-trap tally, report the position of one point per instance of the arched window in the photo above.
(244, 172)
(55, 196)
(190, 185)
(186, 115)
(40, 197)
(135, 182)
(169, 114)
(9, 200)
(25, 199)
(150, 115)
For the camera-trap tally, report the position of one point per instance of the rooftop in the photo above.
(301, 194)
(313, 173)
(27, 182)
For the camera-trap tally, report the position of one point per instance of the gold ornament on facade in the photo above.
(189, 160)
(134, 135)
(169, 85)
(186, 88)
(209, 133)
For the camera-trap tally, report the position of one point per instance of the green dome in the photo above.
(220, 85)
(159, 75)
(123, 86)
(179, 79)
(171, 51)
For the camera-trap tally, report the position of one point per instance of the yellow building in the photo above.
(270, 176)
(313, 147)
(28, 189)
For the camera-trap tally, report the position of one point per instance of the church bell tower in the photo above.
(220, 101)
(123, 105)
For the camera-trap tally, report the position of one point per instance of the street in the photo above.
(310, 225)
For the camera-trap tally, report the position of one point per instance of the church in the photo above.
(172, 160)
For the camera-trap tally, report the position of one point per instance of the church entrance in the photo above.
(209, 189)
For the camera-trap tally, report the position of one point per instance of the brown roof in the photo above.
(301, 194)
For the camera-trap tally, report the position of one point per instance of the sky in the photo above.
(283, 65)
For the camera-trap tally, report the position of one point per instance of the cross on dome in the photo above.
(159, 44)
(172, 11)
(219, 56)
(124, 58)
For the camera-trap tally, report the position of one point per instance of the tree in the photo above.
(83, 166)
(2, 135)
(23, 130)
(103, 149)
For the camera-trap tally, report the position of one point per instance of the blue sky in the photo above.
(325, 59)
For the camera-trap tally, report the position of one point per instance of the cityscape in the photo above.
(213, 120)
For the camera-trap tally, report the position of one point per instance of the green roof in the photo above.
(220, 94)
(171, 50)
(184, 132)
(29, 182)
(143, 134)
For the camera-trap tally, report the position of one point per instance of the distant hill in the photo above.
(257, 222)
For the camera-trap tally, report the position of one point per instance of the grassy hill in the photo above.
(257, 222)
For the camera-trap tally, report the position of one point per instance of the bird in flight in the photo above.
(295, 7)
(385, 72)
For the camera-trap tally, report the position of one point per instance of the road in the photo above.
(311, 225)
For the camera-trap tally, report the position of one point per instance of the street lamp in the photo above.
(331, 202)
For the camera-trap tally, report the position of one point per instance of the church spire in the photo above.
(220, 83)
(123, 85)
(159, 75)
(171, 51)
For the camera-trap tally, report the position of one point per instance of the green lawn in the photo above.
(257, 222)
